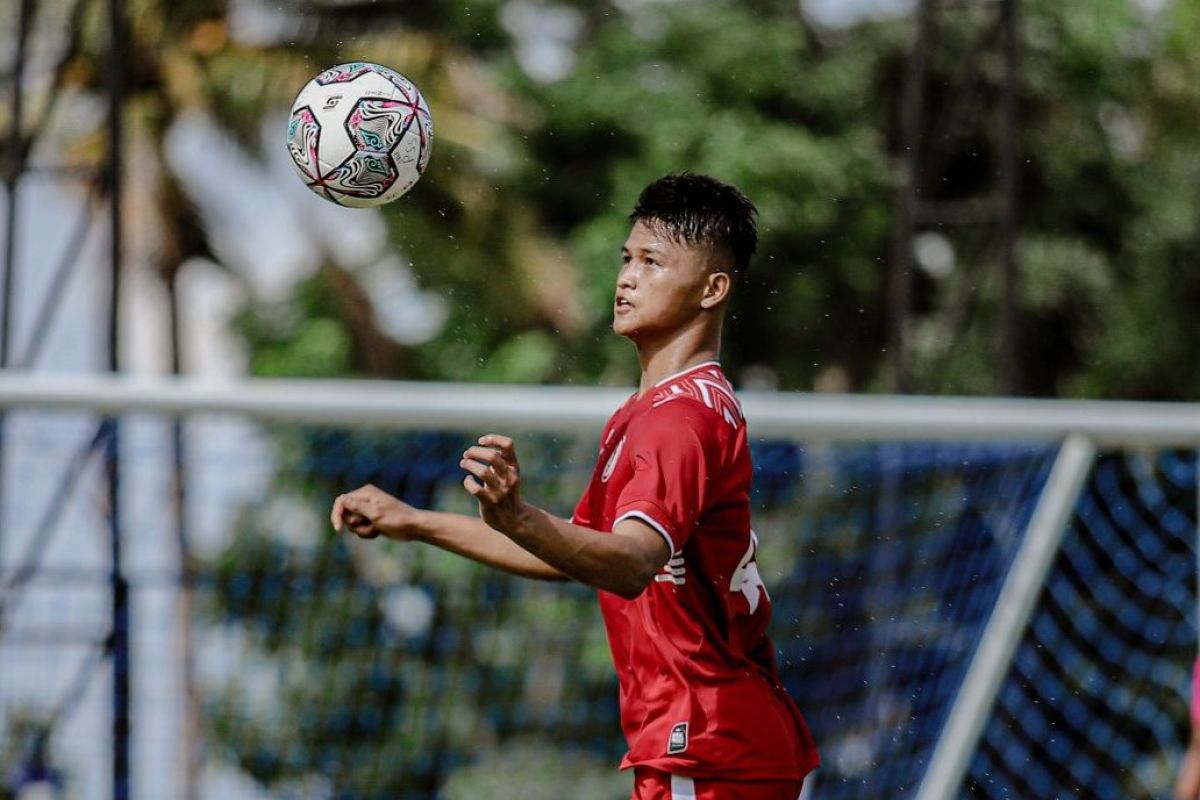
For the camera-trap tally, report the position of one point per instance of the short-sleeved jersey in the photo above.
(699, 688)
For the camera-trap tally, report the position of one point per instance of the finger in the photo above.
(488, 455)
(502, 443)
(482, 472)
(357, 523)
(363, 528)
(495, 459)
(335, 513)
(474, 487)
(345, 509)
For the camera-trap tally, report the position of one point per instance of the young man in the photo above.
(663, 529)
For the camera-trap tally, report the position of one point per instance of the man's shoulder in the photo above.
(704, 391)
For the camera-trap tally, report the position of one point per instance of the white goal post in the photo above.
(1080, 428)
(819, 417)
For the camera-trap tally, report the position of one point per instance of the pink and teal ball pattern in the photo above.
(360, 134)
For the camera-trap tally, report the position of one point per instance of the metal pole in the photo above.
(1010, 616)
(190, 734)
(401, 405)
(119, 642)
(912, 120)
(119, 639)
(14, 166)
(1009, 157)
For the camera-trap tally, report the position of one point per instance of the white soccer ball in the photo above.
(360, 134)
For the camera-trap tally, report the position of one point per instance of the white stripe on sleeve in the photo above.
(653, 523)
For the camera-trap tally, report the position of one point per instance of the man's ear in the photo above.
(716, 290)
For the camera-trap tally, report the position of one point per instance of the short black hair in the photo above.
(699, 209)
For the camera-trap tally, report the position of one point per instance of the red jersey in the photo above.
(699, 689)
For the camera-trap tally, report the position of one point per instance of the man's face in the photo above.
(660, 286)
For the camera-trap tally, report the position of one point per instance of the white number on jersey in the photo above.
(746, 578)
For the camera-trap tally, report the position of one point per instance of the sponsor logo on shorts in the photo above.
(677, 742)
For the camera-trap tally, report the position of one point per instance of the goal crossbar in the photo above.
(401, 404)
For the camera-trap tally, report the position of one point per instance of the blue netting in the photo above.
(902, 550)
(340, 669)
(1095, 702)
(884, 562)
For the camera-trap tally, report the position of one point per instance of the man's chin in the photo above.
(630, 332)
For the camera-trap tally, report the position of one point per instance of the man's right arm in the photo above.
(369, 512)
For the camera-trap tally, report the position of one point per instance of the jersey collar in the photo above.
(681, 373)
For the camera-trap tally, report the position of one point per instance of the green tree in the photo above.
(806, 121)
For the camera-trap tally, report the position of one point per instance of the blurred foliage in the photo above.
(518, 223)
(377, 670)
(504, 775)
(519, 228)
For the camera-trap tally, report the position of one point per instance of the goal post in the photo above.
(990, 593)
(410, 404)
(1009, 617)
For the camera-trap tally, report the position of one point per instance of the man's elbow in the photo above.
(634, 580)
(629, 591)
(639, 552)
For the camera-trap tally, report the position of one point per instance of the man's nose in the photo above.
(626, 278)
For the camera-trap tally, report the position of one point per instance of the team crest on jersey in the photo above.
(677, 742)
(611, 465)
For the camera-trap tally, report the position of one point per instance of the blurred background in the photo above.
(968, 197)
(975, 199)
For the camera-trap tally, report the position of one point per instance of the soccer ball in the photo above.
(360, 134)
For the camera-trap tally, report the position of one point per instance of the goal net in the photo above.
(902, 542)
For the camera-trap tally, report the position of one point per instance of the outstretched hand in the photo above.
(494, 480)
(369, 511)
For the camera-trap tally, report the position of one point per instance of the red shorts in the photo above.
(650, 784)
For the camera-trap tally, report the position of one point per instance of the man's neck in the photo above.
(661, 360)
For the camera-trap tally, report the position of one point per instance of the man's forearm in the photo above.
(472, 538)
(612, 562)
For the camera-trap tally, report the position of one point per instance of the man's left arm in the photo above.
(623, 562)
